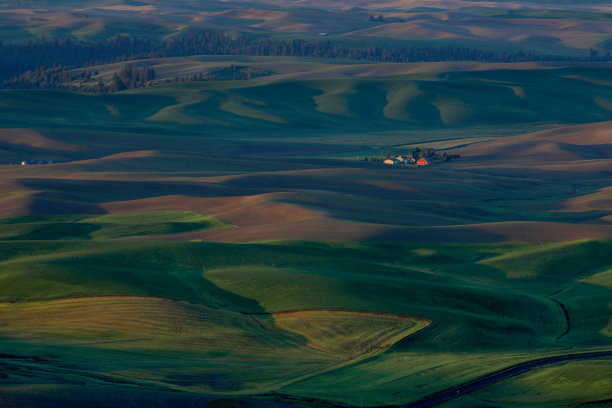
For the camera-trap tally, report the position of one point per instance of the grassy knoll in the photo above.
(105, 226)
(418, 101)
(203, 244)
(153, 325)
(204, 313)
(114, 277)
(512, 188)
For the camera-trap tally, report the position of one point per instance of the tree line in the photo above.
(54, 77)
(42, 54)
(20, 58)
(229, 73)
(130, 77)
(59, 77)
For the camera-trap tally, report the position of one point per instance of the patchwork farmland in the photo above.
(224, 231)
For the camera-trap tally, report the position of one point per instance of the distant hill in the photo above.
(495, 98)
(570, 27)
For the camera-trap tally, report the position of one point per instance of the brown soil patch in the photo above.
(512, 231)
(14, 199)
(131, 155)
(389, 185)
(121, 156)
(570, 143)
(582, 166)
(261, 209)
(9, 186)
(32, 138)
(321, 228)
(251, 14)
(16, 204)
(601, 200)
(530, 166)
(590, 134)
(525, 231)
(125, 7)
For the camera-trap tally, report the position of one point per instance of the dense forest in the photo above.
(42, 63)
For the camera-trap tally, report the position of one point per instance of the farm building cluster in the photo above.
(31, 162)
(408, 160)
(416, 157)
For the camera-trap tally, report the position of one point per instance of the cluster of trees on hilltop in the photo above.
(55, 77)
(229, 73)
(61, 77)
(130, 77)
(17, 59)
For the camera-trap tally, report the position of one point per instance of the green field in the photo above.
(239, 243)
(411, 102)
(342, 117)
(575, 383)
(105, 226)
(199, 310)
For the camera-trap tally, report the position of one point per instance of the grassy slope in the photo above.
(105, 226)
(490, 305)
(161, 326)
(576, 383)
(495, 193)
(463, 289)
(419, 101)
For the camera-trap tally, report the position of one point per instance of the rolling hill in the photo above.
(200, 310)
(409, 102)
(239, 243)
(567, 28)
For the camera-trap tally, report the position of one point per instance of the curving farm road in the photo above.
(502, 374)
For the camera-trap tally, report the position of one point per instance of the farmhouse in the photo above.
(416, 156)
